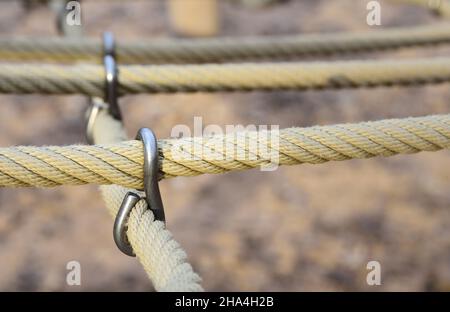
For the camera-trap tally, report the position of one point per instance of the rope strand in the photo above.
(223, 49)
(122, 163)
(133, 79)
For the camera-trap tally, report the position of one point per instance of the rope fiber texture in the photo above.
(222, 49)
(161, 256)
(133, 79)
(122, 163)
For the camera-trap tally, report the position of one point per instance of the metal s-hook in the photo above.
(151, 169)
(151, 189)
(111, 75)
(96, 105)
(119, 230)
(109, 44)
(110, 100)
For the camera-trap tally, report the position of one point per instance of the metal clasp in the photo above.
(110, 100)
(151, 190)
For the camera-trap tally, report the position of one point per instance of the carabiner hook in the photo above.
(110, 100)
(151, 189)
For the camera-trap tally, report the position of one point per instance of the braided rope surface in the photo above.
(122, 163)
(222, 49)
(133, 79)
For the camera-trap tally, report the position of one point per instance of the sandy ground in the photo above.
(298, 228)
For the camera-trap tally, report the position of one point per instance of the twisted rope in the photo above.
(133, 79)
(122, 163)
(223, 49)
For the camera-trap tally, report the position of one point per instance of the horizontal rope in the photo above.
(222, 49)
(133, 79)
(122, 163)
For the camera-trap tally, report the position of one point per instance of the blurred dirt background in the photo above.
(299, 228)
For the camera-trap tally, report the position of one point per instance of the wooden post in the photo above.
(194, 18)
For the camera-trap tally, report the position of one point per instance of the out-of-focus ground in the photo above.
(308, 227)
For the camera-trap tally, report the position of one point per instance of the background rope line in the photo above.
(122, 163)
(222, 49)
(133, 79)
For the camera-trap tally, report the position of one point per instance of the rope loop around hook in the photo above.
(151, 189)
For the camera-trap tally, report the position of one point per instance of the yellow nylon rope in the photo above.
(122, 163)
(133, 79)
(222, 49)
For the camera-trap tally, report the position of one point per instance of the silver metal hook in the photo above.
(111, 94)
(111, 75)
(110, 100)
(96, 105)
(151, 189)
(109, 44)
(119, 229)
(151, 169)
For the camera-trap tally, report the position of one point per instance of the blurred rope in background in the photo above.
(134, 79)
(222, 49)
